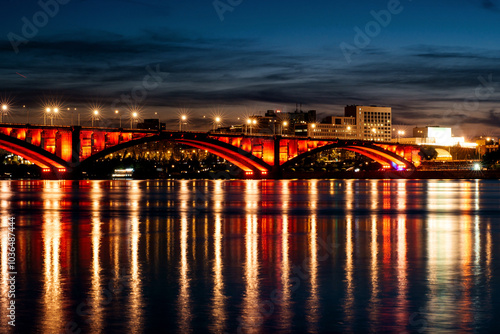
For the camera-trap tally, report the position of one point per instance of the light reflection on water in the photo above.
(255, 256)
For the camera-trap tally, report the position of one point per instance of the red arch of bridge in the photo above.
(245, 160)
(378, 154)
(35, 154)
(240, 158)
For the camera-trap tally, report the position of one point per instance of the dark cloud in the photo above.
(490, 5)
(420, 83)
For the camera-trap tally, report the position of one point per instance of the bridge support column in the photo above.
(276, 172)
(75, 153)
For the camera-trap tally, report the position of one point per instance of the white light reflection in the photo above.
(52, 300)
(184, 300)
(251, 315)
(349, 272)
(374, 194)
(313, 194)
(402, 275)
(218, 195)
(219, 299)
(373, 304)
(285, 195)
(444, 250)
(252, 195)
(349, 194)
(96, 297)
(401, 196)
(286, 314)
(135, 303)
(313, 304)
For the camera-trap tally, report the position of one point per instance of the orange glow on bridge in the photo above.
(64, 148)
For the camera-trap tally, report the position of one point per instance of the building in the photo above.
(486, 145)
(334, 127)
(359, 122)
(152, 124)
(436, 136)
(372, 122)
(276, 122)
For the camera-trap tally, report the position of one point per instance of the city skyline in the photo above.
(434, 64)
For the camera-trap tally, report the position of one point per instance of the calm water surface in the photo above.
(252, 256)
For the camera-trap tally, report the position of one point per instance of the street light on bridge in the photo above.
(249, 123)
(400, 133)
(4, 110)
(182, 120)
(95, 116)
(133, 118)
(216, 123)
(51, 113)
(284, 125)
(118, 112)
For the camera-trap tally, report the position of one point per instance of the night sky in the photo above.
(433, 62)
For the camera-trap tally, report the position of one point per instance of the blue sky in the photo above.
(435, 63)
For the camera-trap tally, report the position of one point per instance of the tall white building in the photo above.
(360, 122)
(372, 122)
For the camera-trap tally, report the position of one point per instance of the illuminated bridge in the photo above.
(64, 149)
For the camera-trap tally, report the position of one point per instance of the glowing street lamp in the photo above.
(4, 110)
(133, 118)
(51, 113)
(95, 116)
(118, 113)
(56, 110)
(182, 120)
(249, 124)
(400, 133)
(216, 123)
(284, 125)
(47, 111)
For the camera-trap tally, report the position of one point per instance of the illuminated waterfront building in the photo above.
(359, 122)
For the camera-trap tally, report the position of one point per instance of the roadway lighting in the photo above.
(44, 116)
(95, 116)
(400, 133)
(284, 125)
(216, 123)
(117, 112)
(183, 119)
(4, 109)
(134, 116)
(249, 124)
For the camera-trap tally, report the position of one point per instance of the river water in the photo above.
(251, 256)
